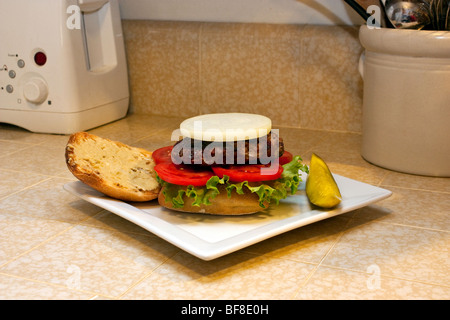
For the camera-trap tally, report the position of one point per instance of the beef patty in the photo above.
(260, 150)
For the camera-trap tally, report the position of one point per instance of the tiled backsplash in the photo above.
(300, 76)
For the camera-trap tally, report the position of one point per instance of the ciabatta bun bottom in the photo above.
(237, 204)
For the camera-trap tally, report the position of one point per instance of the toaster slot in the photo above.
(98, 33)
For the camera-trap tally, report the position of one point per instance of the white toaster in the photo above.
(62, 64)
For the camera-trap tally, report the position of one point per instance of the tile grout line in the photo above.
(406, 225)
(44, 176)
(310, 275)
(414, 189)
(382, 179)
(93, 294)
(137, 282)
(28, 144)
(200, 70)
(390, 276)
(26, 188)
(25, 145)
(38, 245)
(17, 151)
(299, 101)
(72, 226)
(321, 262)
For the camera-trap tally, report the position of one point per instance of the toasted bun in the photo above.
(113, 168)
(237, 204)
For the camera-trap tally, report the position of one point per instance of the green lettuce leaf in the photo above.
(271, 191)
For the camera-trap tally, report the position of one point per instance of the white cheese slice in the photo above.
(226, 127)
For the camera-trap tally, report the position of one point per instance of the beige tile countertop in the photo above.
(57, 246)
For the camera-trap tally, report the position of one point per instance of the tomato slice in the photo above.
(286, 158)
(250, 172)
(183, 175)
(162, 155)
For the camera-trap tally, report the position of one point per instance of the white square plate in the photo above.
(208, 237)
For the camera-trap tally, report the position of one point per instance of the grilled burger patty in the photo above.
(243, 152)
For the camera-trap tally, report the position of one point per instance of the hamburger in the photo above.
(226, 164)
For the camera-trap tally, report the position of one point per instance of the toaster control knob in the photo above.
(35, 90)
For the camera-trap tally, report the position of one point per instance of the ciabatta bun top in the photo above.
(113, 168)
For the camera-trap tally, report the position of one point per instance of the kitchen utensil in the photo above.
(362, 8)
(358, 8)
(439, 14)
(368, 6)
(62, 64)
(407, 14)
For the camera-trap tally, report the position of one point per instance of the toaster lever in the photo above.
(91, 5)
